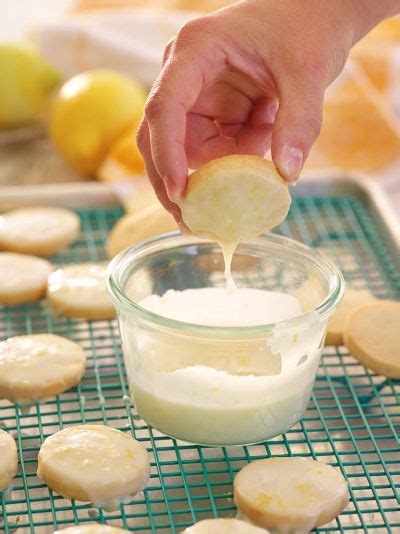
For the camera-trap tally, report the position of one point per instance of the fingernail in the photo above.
(271, 112)
(290, 162)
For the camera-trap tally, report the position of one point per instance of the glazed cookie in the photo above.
(224, 526)
(39, 366)
(91, 528)
(41, 231)
(291, 494)
(8, 459)
(235, 198)
(80, 291)
(22, 278)
(372, 336)
(93, 463)
(351, 300)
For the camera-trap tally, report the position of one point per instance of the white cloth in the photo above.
(129, 41)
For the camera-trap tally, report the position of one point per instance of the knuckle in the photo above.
(167, 51)
(154, 106)
(308, 65)
(140, 137)
(190, 31)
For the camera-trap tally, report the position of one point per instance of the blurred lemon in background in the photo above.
(91, 111)
(26, 81)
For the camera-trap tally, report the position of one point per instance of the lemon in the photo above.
(123, 160)
(25, 84)
(90, 112)
(235, 198)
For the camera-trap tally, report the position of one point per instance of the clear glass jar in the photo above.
(222, 385)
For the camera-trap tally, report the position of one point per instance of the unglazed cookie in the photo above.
(291, 494)
(91, 528)
(80, 291)
(8, 459)
(224, 526)
(93, 463)
(372, 336)
(351, 300)
(235, 198)
(39, 366)
(41, 231)
(23, 278)
(147, 222)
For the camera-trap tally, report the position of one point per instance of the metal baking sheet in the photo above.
(81, 194)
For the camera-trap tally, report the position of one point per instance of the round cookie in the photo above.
(91, 528)
(80, 291)
(38, 366)
(224, 526)
(372, 336)
(290, 494)
(93, 463)
(351, 300)
(135, 227)
(234, 198)
(22, 278)
(8, 459)
(40, 231)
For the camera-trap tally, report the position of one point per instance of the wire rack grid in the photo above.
(352, 421)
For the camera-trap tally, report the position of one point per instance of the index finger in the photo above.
(173, 96)
(155, 179)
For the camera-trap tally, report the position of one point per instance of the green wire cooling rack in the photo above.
(350, 422)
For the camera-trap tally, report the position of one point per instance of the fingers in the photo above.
(231, 98)
(297, 126)
(167, 51)
(176, 92)
(157, 182)
(208, 139)
(255, 138)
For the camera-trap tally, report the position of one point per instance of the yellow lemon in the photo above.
(123, 160)
(90, 112)
(25, 83)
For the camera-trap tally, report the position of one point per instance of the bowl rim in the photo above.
(307, 319)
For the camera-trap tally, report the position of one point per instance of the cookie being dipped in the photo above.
(234, 198)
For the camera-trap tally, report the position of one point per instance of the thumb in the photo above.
(297, 126)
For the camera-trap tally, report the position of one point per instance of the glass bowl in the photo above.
(213, 385)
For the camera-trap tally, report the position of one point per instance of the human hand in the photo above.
(225, 74)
